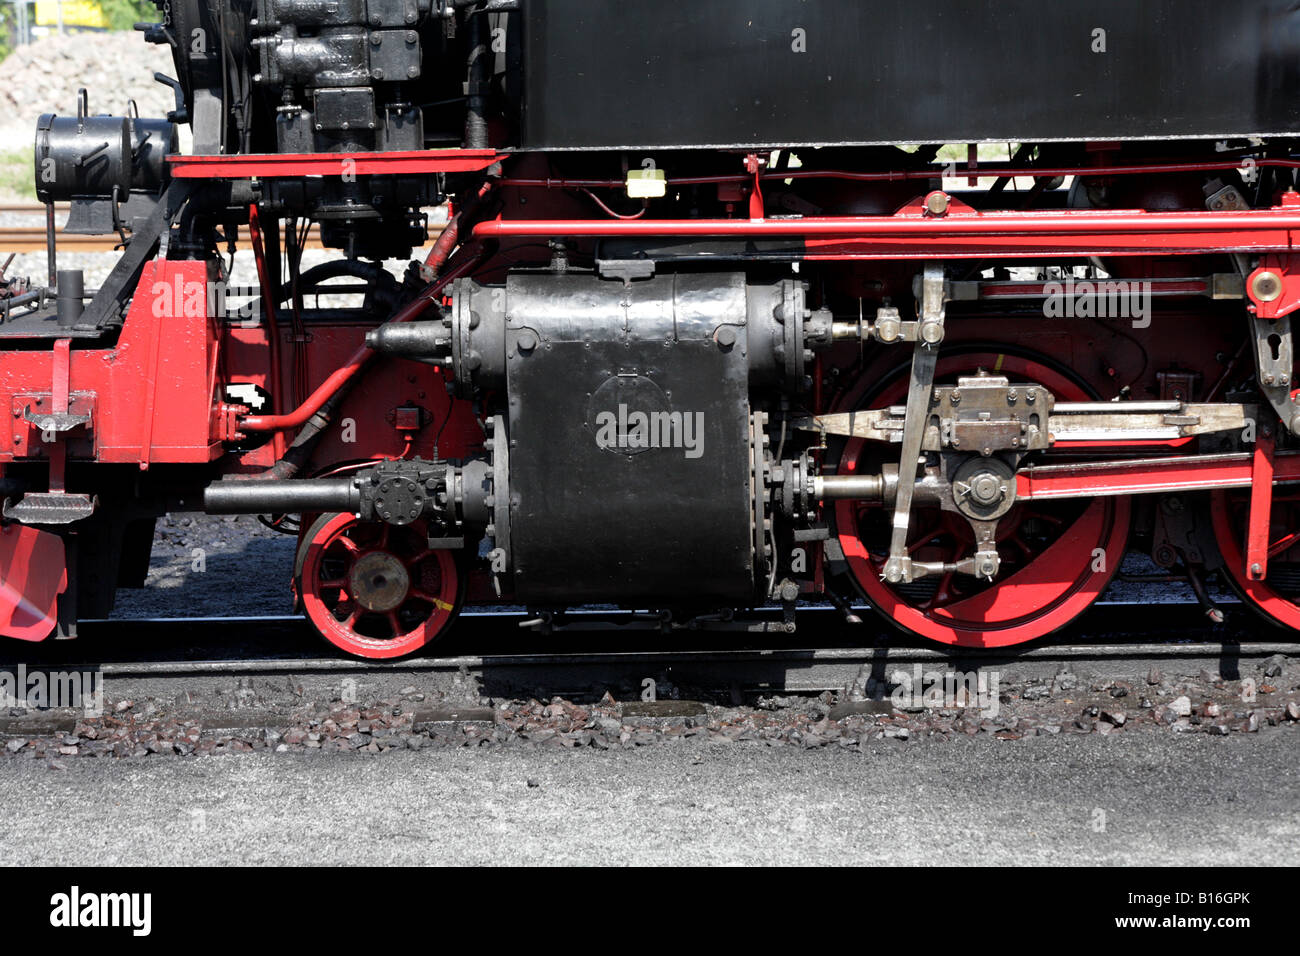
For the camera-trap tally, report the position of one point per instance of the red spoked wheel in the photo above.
(374, 590)
(1057, 557)
(1277, 597)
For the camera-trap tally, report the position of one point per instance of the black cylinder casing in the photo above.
(79, 156)
(628, 433)
(89, 157)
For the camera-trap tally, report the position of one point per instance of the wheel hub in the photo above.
(379, 582)
(984, 489)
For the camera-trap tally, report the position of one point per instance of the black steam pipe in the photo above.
(480, 78)
(257, 496)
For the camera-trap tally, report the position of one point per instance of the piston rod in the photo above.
(281, 496)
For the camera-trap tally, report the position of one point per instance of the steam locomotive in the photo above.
(735, 305)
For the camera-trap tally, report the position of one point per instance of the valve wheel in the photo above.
(374, 590)
(1057, 556)
(1277, 597)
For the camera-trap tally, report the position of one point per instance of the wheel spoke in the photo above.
(348, 544)
(1046, 517)
(924, 539)
(1284, 544)
(412, 561)
(941, 592)
(1019, 542)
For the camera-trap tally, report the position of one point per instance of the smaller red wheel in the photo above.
(374, 590)
(1277, 597)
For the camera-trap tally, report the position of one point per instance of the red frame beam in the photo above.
(270, 165)
(961, 235)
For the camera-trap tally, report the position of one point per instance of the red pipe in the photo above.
(443, 245)
(932, 172)
(450, 234)
(360, 358)
(1084, 222)
(1010, 172)
(560, 183)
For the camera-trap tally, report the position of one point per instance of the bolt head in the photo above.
(936, 204)
(1266, 286)
(985, 488)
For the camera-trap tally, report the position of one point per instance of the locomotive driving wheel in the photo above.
(1277, 597)
(1056, 556)
(375, 590)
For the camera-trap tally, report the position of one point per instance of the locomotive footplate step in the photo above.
(36, 508)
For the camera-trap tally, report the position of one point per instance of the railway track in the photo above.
(32, 208)
(32, 239)
(213, 685)
(825, 654)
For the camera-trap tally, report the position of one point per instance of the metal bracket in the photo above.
(54, 422)
(1274, 363)
(626, 269)
(925, 357)
(986, 561)
(109, 305)
(1261, 506)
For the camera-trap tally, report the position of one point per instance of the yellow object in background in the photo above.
(76, 13)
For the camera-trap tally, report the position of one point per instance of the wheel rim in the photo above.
(1277, 595)
(1058, 556)
(374, 590)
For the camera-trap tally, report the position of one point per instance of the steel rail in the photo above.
(32, 239)
(793, 657)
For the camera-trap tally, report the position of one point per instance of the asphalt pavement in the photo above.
(1149, 799)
